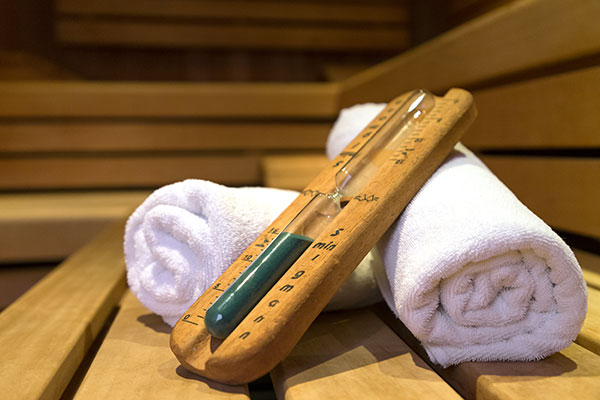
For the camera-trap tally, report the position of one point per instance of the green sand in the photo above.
(251, 286)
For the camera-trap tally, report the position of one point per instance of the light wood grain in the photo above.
(159, 100)
(58, 223)
(560, 111)
(363, 12)
(572, 373)
(589, 337)
(45, 334)
(235, 36)
(134, 361)
(148, 135)
(564, 192)
(292, 171)
(125, 171)
(515, 37)
(354, 355)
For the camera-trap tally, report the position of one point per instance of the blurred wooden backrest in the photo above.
(293, 25)
(532, 65)
(534, 69)
(107, 137)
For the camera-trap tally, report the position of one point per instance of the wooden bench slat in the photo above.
(572, 373)
(46, 332)
(178, 135)
(363, 12)
(564, 192)
(58, 223)
(354, 355)
(518, 36)
(235, 36)
(292, 171)
(589, 337)
(167, 100)
(549, 186)
(125, 171)
(135, 361)
(553, 112)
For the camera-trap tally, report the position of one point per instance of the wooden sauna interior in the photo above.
(103, 101)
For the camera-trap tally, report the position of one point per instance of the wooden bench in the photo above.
(48, 333)
(80, 333)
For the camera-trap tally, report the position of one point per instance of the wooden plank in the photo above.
(547, 186)
(125, 171)
(235, 36)
(58, 223)
(292, 171)
(135, 361)
(564, 192)
(557, 111)
(260, 11)
(45, 334)
(354, 355)
(570, 373)
(589, 337)
(144, 135)
(515, 37)
(590, 264)
(164, 100)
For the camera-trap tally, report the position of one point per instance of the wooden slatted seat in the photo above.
(348, 352)
(138, 339)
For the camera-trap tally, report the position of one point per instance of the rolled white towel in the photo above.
(185, 235)
(472, 272)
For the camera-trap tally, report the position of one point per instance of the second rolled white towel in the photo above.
(473, 273)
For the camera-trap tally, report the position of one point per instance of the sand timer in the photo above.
(260, 276)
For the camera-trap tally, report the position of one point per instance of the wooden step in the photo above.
(555, 112)
(354, 355)
(38, 227)
(53, 99)
(47, 332)
(135, 361)
(520, 36)
(563, 191)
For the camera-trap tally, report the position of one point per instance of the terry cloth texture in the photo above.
(184, 235)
